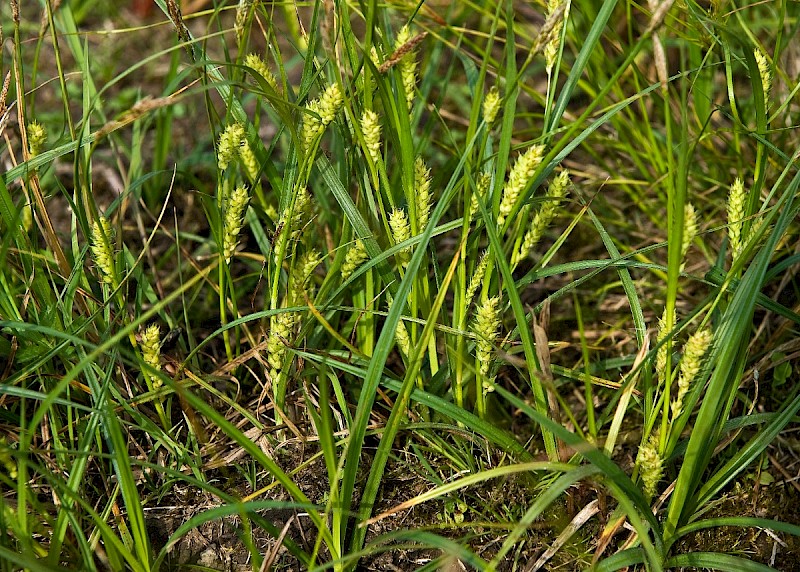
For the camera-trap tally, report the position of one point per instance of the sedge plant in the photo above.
(345, 237)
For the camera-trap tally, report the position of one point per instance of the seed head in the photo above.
(661, 355)
(542, 219)
(401, 332)
(408, 65)
(521, 174)
(481, 187)
(302, 210)
(552, 46)
(290, 223)
(320, 113)
(355, 257)
(401, 231)
(151, 352)
(651, 466)
(765, 71)
(422, 181)
(234, 219)
(260, 67)
(375, 58)
(693, 353)
(27, 216)
(330, 103)
(229, 142)
(37, 137)
(248, 159)
(243, 11)
(102, 238)
(477, 278)
(301, 273)
(689, 229)
(403, 339)
(736, 201)
(282, 326)
(486, 327)
(491, 105)
(151, 346)
(371, 128)
(755, 228)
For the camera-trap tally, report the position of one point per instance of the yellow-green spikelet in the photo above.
(371, 128)
(486, 327)
(101, 241)
(233, 221)
(228, 147)
(401, 231)
(518, 179)
(651, 466)
(408, 65)
(422, 188)
(736, 213)
(355, 257)
(541, 220)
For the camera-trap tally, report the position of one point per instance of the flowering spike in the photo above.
(765, 72)
(552, 46)
(661, 354)
(689, 228)
(234, 219)
(477, 278)
(320, 113)
(372, 134)
(481, 187)
(408, 65)
(260, 67)
(151, 346)
(401, 332)
(102, 238)
(229, 141)
(422, 180)
(401, 231)
(355, 257)
(491, 105)
(736, 205)
(486, 327)
(301, 273)
(243, 11)
(37, 137)
(541, 220)
(248, 159)
(691, 361)
(281, 328)
(651, 465)
(518, 179)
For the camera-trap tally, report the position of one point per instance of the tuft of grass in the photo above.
(421, 285)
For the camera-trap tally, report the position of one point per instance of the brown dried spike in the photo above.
(4, 113)
(4, 92)
(139, 109)
(398, 54)
(660, 57)
(658, 16)
(177, 19)
(547, 29)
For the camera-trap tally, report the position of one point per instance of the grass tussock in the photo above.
(345, 285)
